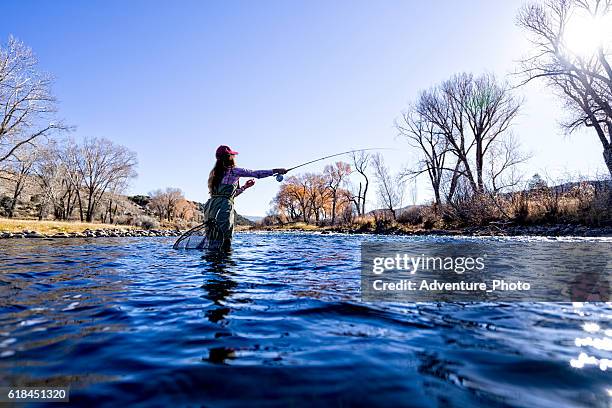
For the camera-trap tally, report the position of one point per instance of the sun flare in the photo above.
(585, 33)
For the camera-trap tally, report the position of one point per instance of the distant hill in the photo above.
(240, 219)
(254, 218)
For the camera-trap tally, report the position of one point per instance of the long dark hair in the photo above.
(223, 164)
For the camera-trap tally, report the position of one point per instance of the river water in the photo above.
(279, 322)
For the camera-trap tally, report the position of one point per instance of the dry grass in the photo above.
(361, 224)
(297, 226)
(47, 227)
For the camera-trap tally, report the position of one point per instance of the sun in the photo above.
(585, 33)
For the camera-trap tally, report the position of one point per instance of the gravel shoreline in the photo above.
(101, 233)
(492, 230)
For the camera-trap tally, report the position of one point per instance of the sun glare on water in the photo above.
(585, 33)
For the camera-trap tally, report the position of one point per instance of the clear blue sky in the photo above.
(282, 82)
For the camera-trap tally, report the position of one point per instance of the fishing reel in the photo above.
(279, 177)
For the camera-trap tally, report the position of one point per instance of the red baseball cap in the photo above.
(222, 150)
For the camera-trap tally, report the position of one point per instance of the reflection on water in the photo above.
(131, 321)
(218, 284)
(218, 287)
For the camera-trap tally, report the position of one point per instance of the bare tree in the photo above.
(503, 159)
(473, 114)
(443, 110)
(290, 200)
(26, 102)
(390, 189)
(73, 174)
(19, 169)
(48, 173)
(165, 202)
(433, 148)
(298, 192)
(314, 197)
(489, 109)
(157, 203)
(317, 195)
(172, 198)
(360, 161)
(336, 175)
(581, 75)
(102, 164)
(112, 196)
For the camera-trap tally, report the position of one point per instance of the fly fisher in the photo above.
(216, 231)
(223, 186)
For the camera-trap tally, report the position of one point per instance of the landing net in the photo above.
(204, 236)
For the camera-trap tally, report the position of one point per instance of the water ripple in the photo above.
(278, 322)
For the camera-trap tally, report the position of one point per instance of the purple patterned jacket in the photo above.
(233, 175)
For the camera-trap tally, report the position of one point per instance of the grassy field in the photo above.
(50, 227)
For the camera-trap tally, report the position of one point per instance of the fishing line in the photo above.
(279, 177)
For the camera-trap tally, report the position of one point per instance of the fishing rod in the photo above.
(279, 177)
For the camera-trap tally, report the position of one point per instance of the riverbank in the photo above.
(60, 229)
(11, 228)
(494, 229)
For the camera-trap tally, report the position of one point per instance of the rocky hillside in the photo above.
(131, 210)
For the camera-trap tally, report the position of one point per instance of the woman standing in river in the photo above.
(223, 185)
